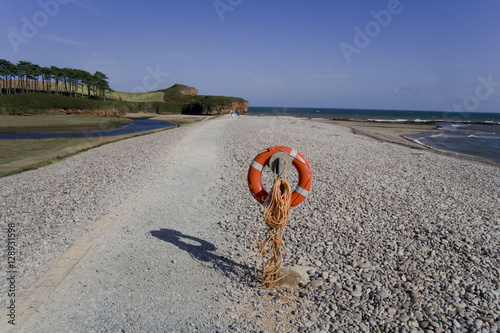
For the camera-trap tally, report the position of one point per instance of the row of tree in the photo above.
(27, 77)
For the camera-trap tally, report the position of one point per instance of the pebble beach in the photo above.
(392, 238)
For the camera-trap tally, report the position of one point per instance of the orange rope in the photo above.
(276, 216)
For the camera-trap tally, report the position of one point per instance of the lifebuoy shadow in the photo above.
(202, 250)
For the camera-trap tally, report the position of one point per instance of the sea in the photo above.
(475, 134)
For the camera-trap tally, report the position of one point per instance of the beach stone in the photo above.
(404, 318)
(424, 324)
(384, 293)
(486, 319)
(478, 323)
(365, 265)
(391, 311)
(317, 283)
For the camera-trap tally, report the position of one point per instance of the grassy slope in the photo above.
(14, 150)
(155, 96)
(56, 120)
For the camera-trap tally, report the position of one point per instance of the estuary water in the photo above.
(474, 134)
(478, 140)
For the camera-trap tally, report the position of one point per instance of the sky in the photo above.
(434, 55)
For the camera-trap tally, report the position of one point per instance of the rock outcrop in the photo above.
(191, 92)
(186, 99)
(235, 106)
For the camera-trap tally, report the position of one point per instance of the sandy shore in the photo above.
(392, 238)
(389, 132)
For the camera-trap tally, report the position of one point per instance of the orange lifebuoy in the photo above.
(299, 162)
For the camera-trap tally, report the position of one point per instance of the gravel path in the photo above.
(393, 239)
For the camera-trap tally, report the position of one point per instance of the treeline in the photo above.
(26, 77)
(42, 103)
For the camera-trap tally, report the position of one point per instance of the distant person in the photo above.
(238, 114)
(232, 113)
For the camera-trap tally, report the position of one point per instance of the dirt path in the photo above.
(148, 265)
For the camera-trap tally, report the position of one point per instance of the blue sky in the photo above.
(408, 54)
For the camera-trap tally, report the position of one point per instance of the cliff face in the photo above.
(188, 101)
(235, 106)
(191, 92)
(208, 106)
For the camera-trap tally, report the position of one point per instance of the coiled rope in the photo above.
(272, 248)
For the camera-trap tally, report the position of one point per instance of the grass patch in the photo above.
(14, 150)
(155, 96)
(41, 103)
(58, 120)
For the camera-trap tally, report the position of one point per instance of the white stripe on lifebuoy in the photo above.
(257, 166)
(293, 153)
(301, 191)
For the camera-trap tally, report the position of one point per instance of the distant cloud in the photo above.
(63, 40)
(98, 60)
(338, 76)
(415, 92)
(95, 61)
(329, 76)
(407, 91)
(463, 66)
(89, 8)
